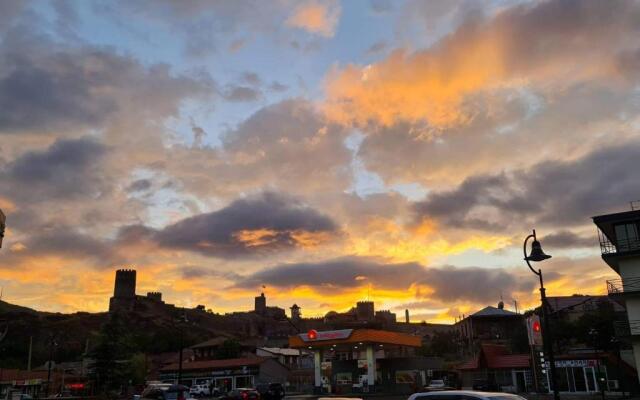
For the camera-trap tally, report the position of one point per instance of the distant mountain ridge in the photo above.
(12, 308)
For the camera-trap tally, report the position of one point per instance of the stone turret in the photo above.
(124, 291)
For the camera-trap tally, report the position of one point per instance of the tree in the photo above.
(112, 355)
(441, 344)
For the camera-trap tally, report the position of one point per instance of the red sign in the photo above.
(75, 386)
(314, 336)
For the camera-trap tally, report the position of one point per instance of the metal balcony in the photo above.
(607, 247)
(623, 286)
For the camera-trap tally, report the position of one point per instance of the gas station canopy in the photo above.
(354, 337)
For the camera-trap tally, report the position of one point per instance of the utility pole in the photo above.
(30, 352)
(183, 318)
(52, 344)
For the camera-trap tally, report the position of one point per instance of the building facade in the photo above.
(620, 247)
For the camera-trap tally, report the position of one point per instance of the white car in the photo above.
(436, 384)
(199, 390)
(464, 395)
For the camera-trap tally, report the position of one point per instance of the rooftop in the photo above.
(491, 311)
(281, 351)
(216, 364)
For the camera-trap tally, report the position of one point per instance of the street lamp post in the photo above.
(3, 220)
(537, 255)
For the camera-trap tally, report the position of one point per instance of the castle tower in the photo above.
(124, 291)
(295, 312)
(125, 286)
(155, 296)
(365, 311)
(260, 306)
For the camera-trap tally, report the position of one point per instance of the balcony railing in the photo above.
(621, 286)
(620, 246)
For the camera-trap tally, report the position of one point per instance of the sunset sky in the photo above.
(330, 151)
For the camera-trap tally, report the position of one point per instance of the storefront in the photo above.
(228, 374)
(366, 360)
(581, 376)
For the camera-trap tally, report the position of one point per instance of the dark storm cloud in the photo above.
(45, 87)
(474, 283)
(568, 239)
(67, 169)
(248, 226)
(343, 273)
(447, 283)
(195, 272)
(554, 193)
(66, 242)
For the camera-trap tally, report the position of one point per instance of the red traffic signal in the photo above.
(536, 326)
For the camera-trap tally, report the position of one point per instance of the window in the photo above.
(627, 237)
(244, 381)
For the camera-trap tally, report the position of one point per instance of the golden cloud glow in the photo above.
(389, 239)
(434, 84)
(316, 17)
(256, 237)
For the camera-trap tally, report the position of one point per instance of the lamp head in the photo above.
(536, 252)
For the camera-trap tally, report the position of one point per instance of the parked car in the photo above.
(437, 385)
(464, 395)
(242, 394)
(199, 390)
(271, 391)
(165, 392)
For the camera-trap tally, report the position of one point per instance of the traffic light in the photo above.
(534, 330)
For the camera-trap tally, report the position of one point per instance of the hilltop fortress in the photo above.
(268, 322)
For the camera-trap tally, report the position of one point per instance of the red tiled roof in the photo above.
(471, 364)
(509, 361)
(216, 364)
(363, 336)
(494, 356)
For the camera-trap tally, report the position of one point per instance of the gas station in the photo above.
(366, 360)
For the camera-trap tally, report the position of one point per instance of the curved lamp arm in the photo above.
(524, 250)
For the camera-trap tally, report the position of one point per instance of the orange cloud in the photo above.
(516, 48)
(387, 238)
(316, 17)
